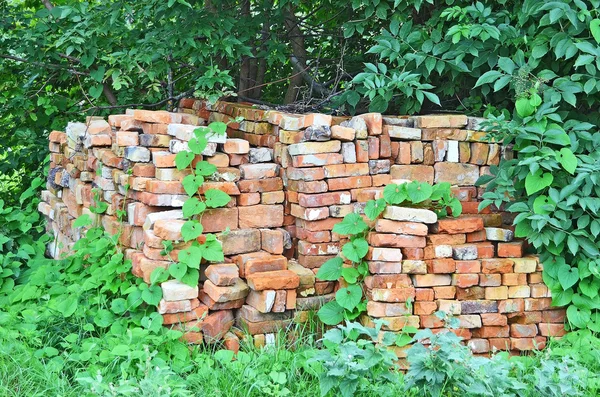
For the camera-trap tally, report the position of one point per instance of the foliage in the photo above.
(352, 266)
(354, 358)
(200, 246)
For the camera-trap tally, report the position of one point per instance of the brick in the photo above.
(537, 343)
(479, 345)
(424, 308)
(441, 121)
(168, 229)
(221, 294)
(445, 292)
(127, 138)
(519, 291)
(458, 225)
(404, 153)
(219, 219)
(279, 279)
(212, 305)
(223, 274)
(424, 294)
(414, 266)
(496, 293)
(465, 280)
(479, 306)
(493, 319)
(495, 266)
(498, 234)
(411, 228)
(259, 264)
(523, 330)
(431, 321)
(445, 239)
(441, 265)
(382, 309)
(400, 132)
(409, 214)
(314, 148)
(348, 152)
(388, 281)
(362, 151)
(465, 252)
(525, 318)
(236, 146)
(262, 301)
(246, 199)
(476, 236)
(491, 332)
(259, 171)
(514, 249)
(524, 265)
(260, 216)
(260, 185)
(216, 324)
(385, 254)
(342, 133)
(554, 330)
(490, 280)
(348, 183)
(538, 304)
(324, 199)
(396, 240)
(511, 306)
(306, 248)
(174, 290)
(422, 173)
(379, 167)
(272, 241)
(431, 280)
(456, 173)
(239, 241)
(137, 154)
(377, 267)
(170, 307)
(468, 266)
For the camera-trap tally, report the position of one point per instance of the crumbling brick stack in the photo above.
(291, 179)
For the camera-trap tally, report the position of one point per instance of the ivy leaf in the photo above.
(351, 224)
(595, 29)
(374, 208)
(193, 206)
(218, 127)
(119, 305)
(191, 256)
(197, 146)
(350, 274)
(418, 191)
(578, 317)
(191, 230)
(178, 270)
(524, 107)
(538, 181)
(205, 168)
(356, 250)
(183, 159)
(212, 250)
(567, 159)
(159, 275)
(455, 206)
(96, 91)
(562, 298)
(568, 276)
(403, 340)
(331, 313)
(103, 318)
(215, 198)
(83, 220)
(191, 184)
(331, 270)
(68, 305)
(152, 295)
(191, 277)
(395, 194)
(349, 297)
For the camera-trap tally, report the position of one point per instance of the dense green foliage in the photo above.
(349, 301)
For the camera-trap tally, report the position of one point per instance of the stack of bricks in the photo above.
(457, 265)
(292, 178)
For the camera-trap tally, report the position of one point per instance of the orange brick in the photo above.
(510, 250)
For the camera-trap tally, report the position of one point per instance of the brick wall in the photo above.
(292, 178)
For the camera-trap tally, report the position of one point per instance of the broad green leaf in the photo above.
(595, 29)
(350, 225)
(374, 208)
(523, 107)
(191, 230)
(96, 91)
(68, 305)
(152, 295)
(191, 256)
(159, 275)
(197, 145)
(212, 250)
(331, 270)
(205, 168)
(578, 317)
(349, 297)
(568, 276)
(418, 191)
(331, 313)
(103, 318)
(218, 127)
(193, 206)
(562, 298)
(183, 159)
(488, 77)
(118, 306)
(83, 220)
(567, 159)
(538, 181)
(350, 274)
(215, 198)
(395, 194)
(191, 277)
(355, 250)
(178, 270)
(191, 183)
(540, 202)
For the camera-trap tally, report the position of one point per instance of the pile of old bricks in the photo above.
(292, 178)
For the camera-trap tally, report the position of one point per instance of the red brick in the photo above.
(465, 280)
(477, 236)
(510, 250)
(552, 329)
(216, 324)
(424, 294)
(260, 185)
(424, 307)
(473, 266)
(316, 160)
(491, 332)
(246, 199)
(412, 228)
(523, 330)
(490, 280)
(445, 292)
(196, 314)
(494, 319)
(445, 265)
(554, 316)
(280, 279)
(537, 343)
(396, 240)
(261, 216)
(459, 225)
(260, 264)
(324, 199)
(496, 266)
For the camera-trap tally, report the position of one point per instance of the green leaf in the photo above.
(590, 287)
(455, 206)
(191, 277)
(159, 275)
(355, 250)
(403, 340)
(349, 297)
(215, 198)
(578, 317)
(191, 230)
(523, 107)
(83, 220)
(191, 183)
(212, 250)
(96, 91)
(205, 168)
(540, 202)
(488, 77)
(567, 159)
(350, 274)
(197, 145)
(568, 276)
(351, 224)
(183, 159)
(395, 194)
(595, 29)
(152, 295)
(68, 305)
(353, 98)
(331, 313)
(218, 127)
(191, 256)
(374, 208)
(538, 181)
(178, 270)
(193, 206)
(418, 191)
(562, 298)
(331, 270)
(103, 318)
(432, 97)
(118, 306)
